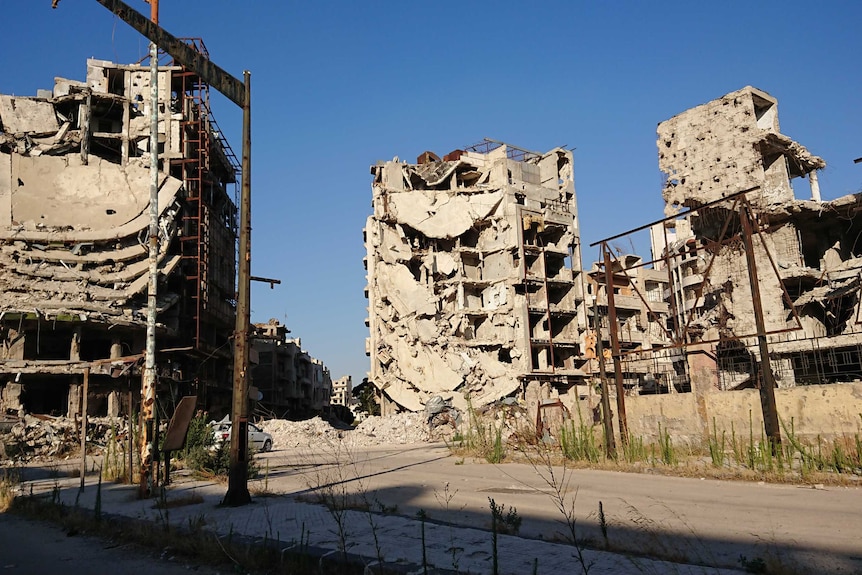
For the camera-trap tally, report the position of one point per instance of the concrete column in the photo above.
(10, 399)
(114, 404)
(116, 348)
(75, 347)
(16, 344)
(703, 371)
(73, 408)
(815, 185)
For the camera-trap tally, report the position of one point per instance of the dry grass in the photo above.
(191, 542)
(832, 462)
(9, 483)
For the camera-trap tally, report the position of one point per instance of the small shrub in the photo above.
(578, 442)
(666, 449)
(716, 447)
(9, 482)
(507, 522)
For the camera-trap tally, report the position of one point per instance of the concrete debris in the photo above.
(474, 280)
(45, 438)
(400, 429)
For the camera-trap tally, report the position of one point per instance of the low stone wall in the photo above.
(825, 410)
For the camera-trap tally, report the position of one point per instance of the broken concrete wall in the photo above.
(816, 410)
(471, 283)
(728, 145)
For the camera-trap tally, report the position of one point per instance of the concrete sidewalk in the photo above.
(449, 548)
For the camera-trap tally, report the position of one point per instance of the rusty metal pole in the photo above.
(615, 346)
(148, 384)
(237, 491)
(767, 385)
(84, 408)
(607, 419)
(154, 11)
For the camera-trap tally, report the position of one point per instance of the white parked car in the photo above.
(258, 439)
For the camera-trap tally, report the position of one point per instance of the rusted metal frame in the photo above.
(650, 312)
(607, 420)
(767, 387)
(713, 252)
(678, 335)
(84, 408)
(784, 294)
(676, 216)
(615, 345)
(717, 340)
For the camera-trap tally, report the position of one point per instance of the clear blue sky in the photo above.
(337, 86)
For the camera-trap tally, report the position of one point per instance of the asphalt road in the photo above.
(36, 548)
(706, 521)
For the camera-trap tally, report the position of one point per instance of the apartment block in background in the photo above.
(291, 383)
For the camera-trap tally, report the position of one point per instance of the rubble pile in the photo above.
(288, 434)
(32, 438)
(401, 428)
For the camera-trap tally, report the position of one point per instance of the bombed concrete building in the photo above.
(475, 285)
(807, 251)
(74, 213)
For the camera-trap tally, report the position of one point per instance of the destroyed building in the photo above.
(291, 383)
(74, 216)
(807, 251)
(475, 286)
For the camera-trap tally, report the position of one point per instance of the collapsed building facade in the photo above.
(291, 383)
(807, 251)
(474, 276)
(74, 213)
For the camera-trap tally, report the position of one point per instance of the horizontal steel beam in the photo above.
(189, 58)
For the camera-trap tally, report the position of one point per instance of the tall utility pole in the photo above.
(607, 419)
(148, 385)
(237, 491)
(767, 384)
(240, 94)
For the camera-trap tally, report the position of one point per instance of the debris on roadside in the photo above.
(39, 437)
(401, 428)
